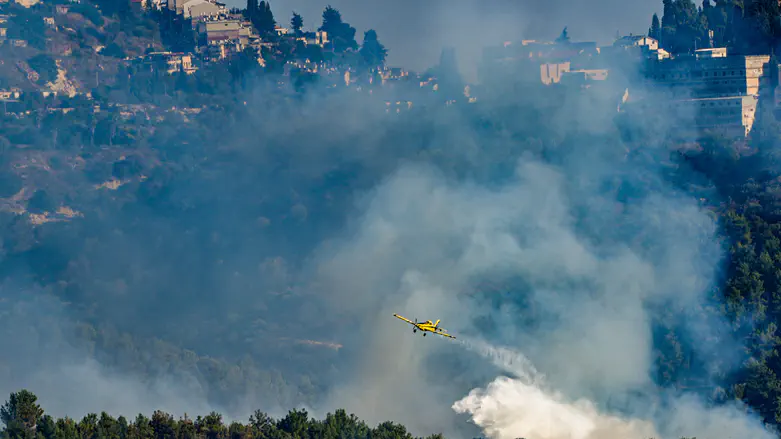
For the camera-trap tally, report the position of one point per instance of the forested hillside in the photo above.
(234, 238)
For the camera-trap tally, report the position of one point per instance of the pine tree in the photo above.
(21, 414)
(332, 20)
(264, 19)
(252, 10)
(341, 34)
(564, 37)
(296, 23)
(372, 51)
(655, 30)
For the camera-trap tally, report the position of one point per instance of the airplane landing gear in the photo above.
(424, 334)
(414, 331)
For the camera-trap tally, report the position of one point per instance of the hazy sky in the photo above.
(414, 31)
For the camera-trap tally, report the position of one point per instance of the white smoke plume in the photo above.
(505, 359)
(525, 407)
(509, 409)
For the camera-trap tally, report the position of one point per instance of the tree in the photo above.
(564, 37)
(267, 22)
(295, 422)
(655, 30)
(252, 10)
(332, 19)
(372, 51)
(341, 34)
(388, 430)
(261, 423)
(163, 425)
(261, 17)
(47, 427)
(211, 426)
(21, 414)
(243, 64)
(683, 27)
(108, 427)
(296, 23)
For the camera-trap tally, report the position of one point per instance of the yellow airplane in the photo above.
(425, 327)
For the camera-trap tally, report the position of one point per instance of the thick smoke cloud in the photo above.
(592, 297)
(600, 250)
(589, 248)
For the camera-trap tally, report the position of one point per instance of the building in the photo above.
(156, 4)
(393, 74)
(218, 30)
(583, 78)
(731, 116)
(551, 73)
(319, 38)
(220, 37)
(168, 61)
(3, 28)
(631, 41)
(634, 48)
(710, 73)
(13, 93)
(532, 61)
(202, 8)
(27, 3)
(176, 6)
(708, 91)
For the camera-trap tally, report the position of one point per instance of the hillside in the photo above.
(68, 47)
(78, 181)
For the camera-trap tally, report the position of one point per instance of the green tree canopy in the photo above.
(261, 17)
(341, 34)
(372, 51)
(296, 23)
(655, 30)
(21, 414)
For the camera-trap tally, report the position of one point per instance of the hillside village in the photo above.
(721, 88)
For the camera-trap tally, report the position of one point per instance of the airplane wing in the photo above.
(405, 319)
(443, 334)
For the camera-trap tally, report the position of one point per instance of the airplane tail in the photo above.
(436, 324)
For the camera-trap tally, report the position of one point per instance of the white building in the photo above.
(202, 8)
